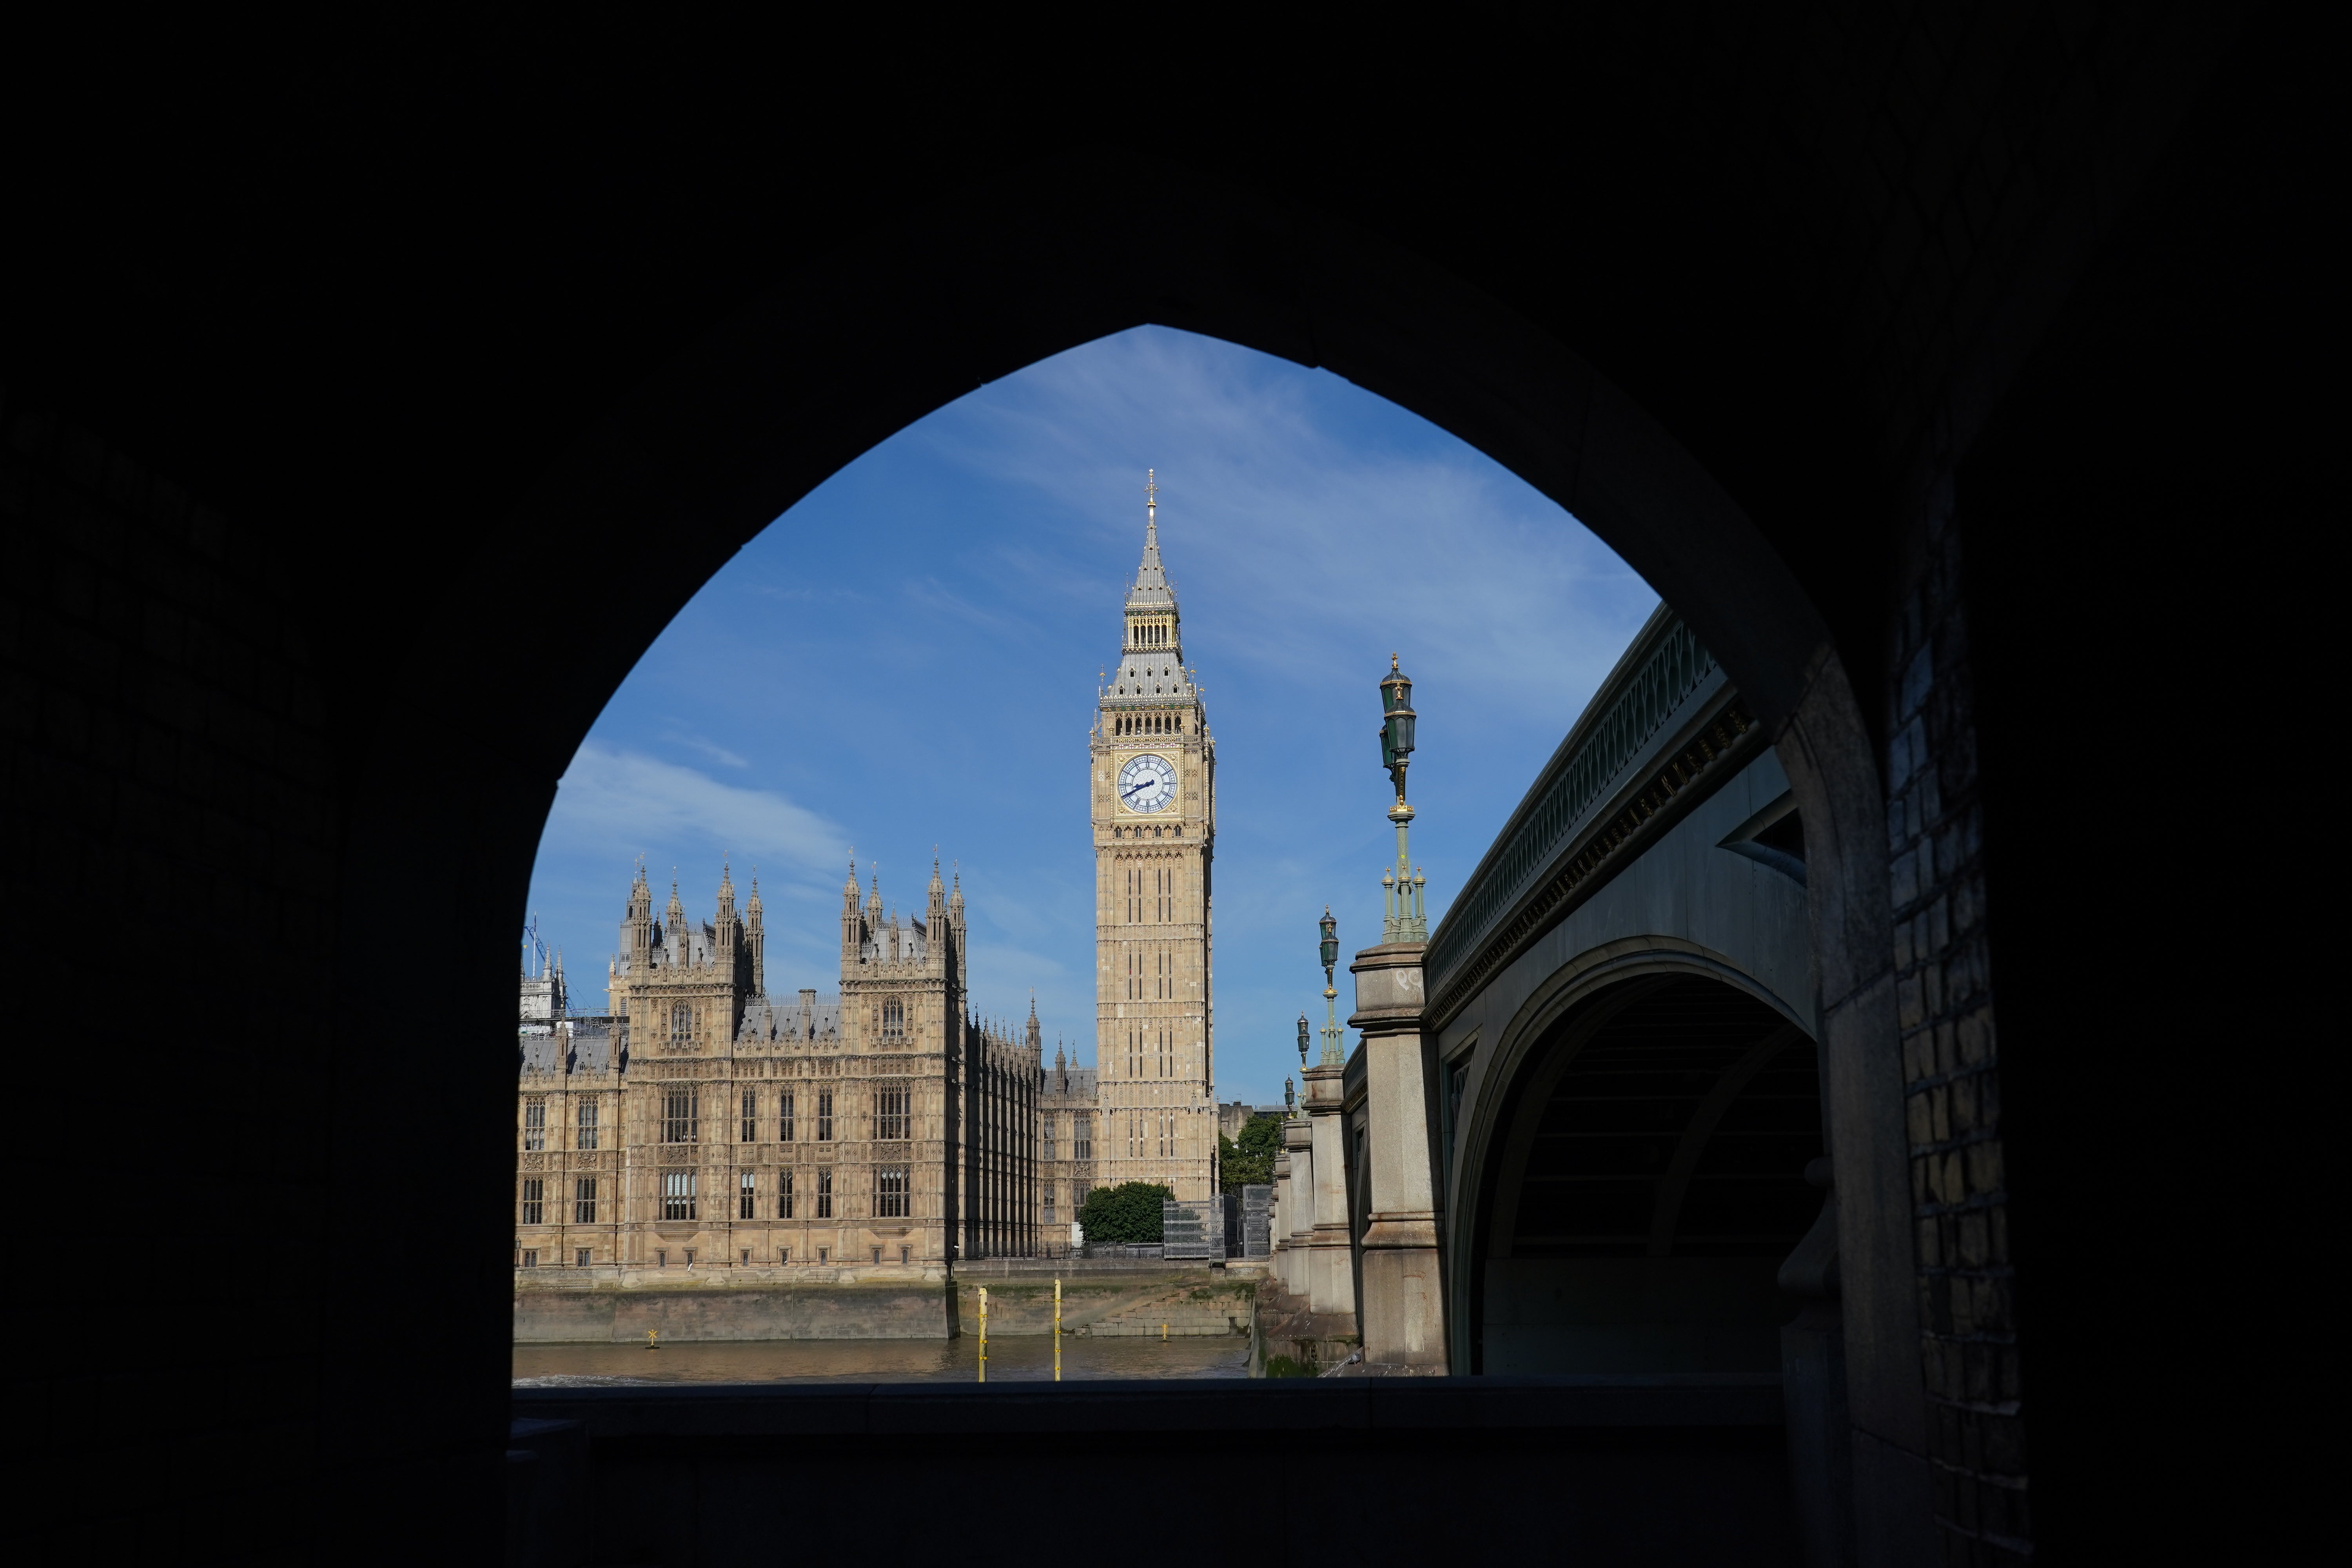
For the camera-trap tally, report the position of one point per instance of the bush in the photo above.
(1127, 1213)
(1283, 1366)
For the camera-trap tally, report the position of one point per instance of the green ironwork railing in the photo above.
(1621, 718)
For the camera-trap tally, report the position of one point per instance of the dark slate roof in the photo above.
(768, 1018)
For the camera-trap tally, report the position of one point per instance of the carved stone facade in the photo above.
(702, 1123)
(1152, 782)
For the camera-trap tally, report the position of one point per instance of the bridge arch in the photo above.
(1647, 1075)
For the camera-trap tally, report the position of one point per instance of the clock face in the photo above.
(1147, 783)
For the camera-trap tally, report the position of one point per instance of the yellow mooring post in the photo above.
(1057, 1331)
(1163, 1334)
(650, 1335)
(983, 1333)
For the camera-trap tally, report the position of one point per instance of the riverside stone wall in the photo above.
(618, 1311)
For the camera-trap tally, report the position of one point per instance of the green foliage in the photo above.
(1127, 1213)
(1283, 1366)
(1248, 1161)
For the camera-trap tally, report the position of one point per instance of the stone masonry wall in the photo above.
(1951, 1068)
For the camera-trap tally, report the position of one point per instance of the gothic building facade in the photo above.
(699, 1121)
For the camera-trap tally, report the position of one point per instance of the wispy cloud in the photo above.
(613, 796)
(709, 748)
(1294, 531)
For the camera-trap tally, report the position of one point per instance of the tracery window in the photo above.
(534, 1200)
(678, 1194)
(747, 1196)
(681, 1116)
(890, 1192)
(681, 1025)
(750, 1115)
(785, 1120)
(583, 1200)
(1082, 1136)
(824, 1195)
(1049, 1140)
(587, 1139)
(894, 1019)
(890, 1113)
(784, 1196)
(534, 1122)
(824, 1117)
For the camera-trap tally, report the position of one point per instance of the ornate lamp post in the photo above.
(1330, 953)
(1402, 888)
(1302, 1042)
(1290, 1096)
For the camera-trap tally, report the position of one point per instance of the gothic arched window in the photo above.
(681, 1025)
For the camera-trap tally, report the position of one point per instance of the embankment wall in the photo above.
(612, 1311)
(687, 1313)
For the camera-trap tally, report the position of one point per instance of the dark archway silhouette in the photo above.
(1888, 353)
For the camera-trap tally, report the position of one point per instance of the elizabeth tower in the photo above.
(1152, 768)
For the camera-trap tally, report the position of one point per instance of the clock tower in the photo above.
(1153, 781)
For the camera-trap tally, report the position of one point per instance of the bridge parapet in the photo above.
(1665, 717)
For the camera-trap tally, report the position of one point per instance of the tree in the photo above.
(1127, 1213)
(1248, 1161)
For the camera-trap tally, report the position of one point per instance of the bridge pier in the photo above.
(1295, 1204)
(1403, 1312)
(1330, 1256)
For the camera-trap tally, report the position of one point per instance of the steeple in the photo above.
(1152, 653)
(1035, 1039)
(1150, 587)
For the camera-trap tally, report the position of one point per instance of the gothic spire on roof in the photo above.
(1151, 586)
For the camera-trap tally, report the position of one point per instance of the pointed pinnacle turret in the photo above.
(1151, 586)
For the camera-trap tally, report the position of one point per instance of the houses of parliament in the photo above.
(703, 1119)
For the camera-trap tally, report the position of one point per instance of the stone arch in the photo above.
(844, 351)
(1647, 1077)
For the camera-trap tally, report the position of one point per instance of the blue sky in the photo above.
(909, 657)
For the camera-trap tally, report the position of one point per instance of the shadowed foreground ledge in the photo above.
(1659, 1469)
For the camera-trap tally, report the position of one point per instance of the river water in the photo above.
(1010, 1359)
